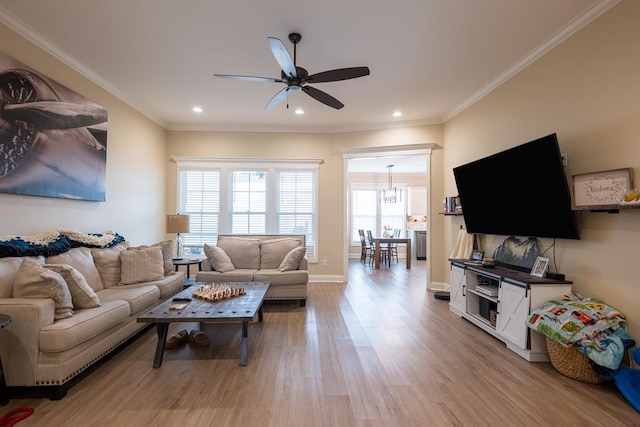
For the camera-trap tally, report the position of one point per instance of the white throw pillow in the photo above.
(218, 259)
(107, 262)
(35, 281)
(82, 295)
(292, 260)
(141, 265)
(82, 260)
(167, 254)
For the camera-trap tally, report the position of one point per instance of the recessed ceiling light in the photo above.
(197, 109)
(397, 114)
(299, 111)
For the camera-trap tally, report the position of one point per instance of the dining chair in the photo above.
(366, 251)
(384, 250)
(393, 247)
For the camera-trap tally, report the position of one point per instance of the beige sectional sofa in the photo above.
(53, 338)
(276, 258)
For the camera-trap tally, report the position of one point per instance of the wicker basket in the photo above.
(571, 363)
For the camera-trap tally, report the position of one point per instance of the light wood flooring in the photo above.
(376, 351)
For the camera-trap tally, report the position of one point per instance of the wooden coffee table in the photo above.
(238, 309)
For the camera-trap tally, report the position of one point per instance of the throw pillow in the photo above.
(107, 262)
(292, 260)
(273, 251)
(9, 267)
(82, 296)
(82, 260)
(245, 253)
(167, 254)
(141, 265)
(35, 281)
(218, 259)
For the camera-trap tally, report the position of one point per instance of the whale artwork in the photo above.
(53, 141)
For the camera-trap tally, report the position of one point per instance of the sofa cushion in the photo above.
(218, 258)
(138, 297)
(35, 281)
(82, 260)
(292, 260)
(244, 253)
(9, 267)
(82, 296)
(273, 251)
(237, 275)
(167, 254)
(141, 265)
(168, 285)
(84, 325)
(276, 277)
(107, 262)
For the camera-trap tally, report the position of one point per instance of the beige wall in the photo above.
(331, 209)
(136, 159)
(587, 90)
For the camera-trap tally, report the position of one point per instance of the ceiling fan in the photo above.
(298, 78)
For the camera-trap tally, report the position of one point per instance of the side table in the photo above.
(188, 262)
(4, 394)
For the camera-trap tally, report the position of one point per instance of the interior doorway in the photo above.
(376, 160)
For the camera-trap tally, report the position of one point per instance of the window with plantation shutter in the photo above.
(245, 196)
(249, 202)
(296, 205)
(200, 199)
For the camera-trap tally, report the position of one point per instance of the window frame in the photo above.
(272, 168)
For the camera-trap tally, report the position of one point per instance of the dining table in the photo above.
(388, 240)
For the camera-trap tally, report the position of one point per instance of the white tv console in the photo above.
(503, 316)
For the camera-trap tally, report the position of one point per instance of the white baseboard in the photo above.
(438, 286)
(326, 278)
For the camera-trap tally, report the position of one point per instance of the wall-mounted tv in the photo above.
(521, 191)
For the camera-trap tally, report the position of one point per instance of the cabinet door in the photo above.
(457, 303)
(513, 309)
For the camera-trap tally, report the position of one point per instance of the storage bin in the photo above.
(571, 363)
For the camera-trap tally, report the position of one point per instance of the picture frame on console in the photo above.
(477, 255)
(540, 267)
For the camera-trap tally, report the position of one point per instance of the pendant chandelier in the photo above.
(391, 194)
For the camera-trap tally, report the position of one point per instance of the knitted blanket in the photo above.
(54, 242)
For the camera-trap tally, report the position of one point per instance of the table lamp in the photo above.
(178, 224)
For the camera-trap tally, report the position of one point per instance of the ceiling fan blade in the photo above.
(282, 57)
(339, 74)
(249, 78)
(323, 97)
(277, 99)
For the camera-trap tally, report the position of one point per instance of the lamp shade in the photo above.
(177, 223)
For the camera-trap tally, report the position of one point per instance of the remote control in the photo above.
(181, 299)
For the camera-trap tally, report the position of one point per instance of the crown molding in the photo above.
(40, 41)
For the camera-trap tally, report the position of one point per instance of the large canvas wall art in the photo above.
(53, 141)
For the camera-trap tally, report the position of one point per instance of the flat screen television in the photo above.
(521, 191)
